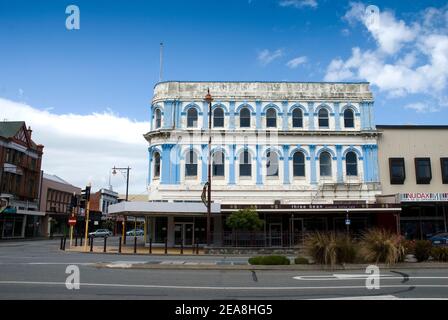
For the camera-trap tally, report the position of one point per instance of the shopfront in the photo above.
(423, 214)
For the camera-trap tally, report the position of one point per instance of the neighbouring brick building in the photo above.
(20, 175)
(55, 197)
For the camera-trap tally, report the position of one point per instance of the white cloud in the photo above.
(83, 148)
(298, 3)
(420, 107)
(406, 59)
(265, 56)
(294, 63)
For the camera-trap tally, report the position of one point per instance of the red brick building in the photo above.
(20, 175)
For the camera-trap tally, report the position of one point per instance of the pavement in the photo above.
(39, 270)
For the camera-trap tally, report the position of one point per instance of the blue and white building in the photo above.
(304, 154)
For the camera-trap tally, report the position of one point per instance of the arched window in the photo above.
(245, 118)
(349, 120)
(351, 164)
(192, 118)
(218, 118)
(156, 159)
(297, 118)
(271, 164)
(218, 164)
(323, 118)
(298, 163)
(271, 118)
(191, 164)
(325, 164)
(158, 122)
(245, 164)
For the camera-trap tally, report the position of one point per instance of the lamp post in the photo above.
(209, 99)
(114, 172)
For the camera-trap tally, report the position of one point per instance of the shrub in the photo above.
(322, 247)
(269, 260)
(346, 249)
(422, 250)
(301, 260)
(379, 245)
(331, 248)
(409, 246)
(440, 253)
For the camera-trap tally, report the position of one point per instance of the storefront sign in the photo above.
(423, 196)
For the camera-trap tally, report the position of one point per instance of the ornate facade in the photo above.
(272, 142)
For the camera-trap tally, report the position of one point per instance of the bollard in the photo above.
(197, 248)
(76, 241)
(166, 245)
(80, 241)
(91, 244)
(150, 245)
(105, 244)
(119, 245)
(65, 239)
(62, 241)
(193, 246)
(124, 238)
(181, 248)
(135, 244)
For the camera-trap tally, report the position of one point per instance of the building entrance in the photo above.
(183, 233)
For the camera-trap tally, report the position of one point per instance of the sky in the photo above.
(86, 93)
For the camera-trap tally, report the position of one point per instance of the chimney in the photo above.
(29, 131)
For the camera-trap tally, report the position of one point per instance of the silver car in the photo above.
(100, 233)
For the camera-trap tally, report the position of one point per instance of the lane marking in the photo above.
(212, 288)
(342, 277)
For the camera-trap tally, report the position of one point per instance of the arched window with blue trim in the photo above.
(245, 118)
(349, 119)
(191, 164)
(218, 164)
(325, 164)
(298, 164)
(323, 118)
(158, 119)
(218, 118)
(156, 159)
(271, 118)
(245, 164)
(297, 118)
(192, 118)
(271, 164)
(351, 164)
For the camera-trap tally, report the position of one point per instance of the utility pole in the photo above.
(123, 229)
(209, 99)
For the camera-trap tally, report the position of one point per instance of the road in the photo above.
(36, 270)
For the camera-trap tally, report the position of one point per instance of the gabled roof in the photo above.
(16, 130)
(9, 129)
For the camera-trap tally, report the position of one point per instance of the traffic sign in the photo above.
(72, 222)
(347, 222)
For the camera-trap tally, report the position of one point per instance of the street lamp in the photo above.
(114, 172)
(209, 99)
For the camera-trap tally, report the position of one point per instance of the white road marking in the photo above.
(345, 277)
(212, 288)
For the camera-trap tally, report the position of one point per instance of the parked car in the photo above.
(101, 233)
(137, 232)
(439, 239)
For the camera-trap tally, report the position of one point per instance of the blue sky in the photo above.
(112, 61)
(110, 65)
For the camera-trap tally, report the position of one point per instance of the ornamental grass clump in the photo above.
(382, 246)
(331, 248)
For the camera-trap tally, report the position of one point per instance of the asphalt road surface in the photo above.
(37, 270)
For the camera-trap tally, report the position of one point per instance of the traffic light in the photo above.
(85, 197)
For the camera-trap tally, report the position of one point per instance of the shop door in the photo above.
(275, 235)
(183, 234)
